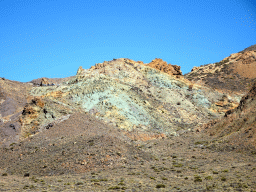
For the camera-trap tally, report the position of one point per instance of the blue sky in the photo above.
(52, 38)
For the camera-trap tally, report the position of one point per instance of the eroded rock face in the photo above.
(163, 66)
(130, 95)
(39, 113)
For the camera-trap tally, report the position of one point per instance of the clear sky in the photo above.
(52, 38)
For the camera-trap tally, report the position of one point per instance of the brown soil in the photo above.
(238, 127)
(84, 155)
(246, 71)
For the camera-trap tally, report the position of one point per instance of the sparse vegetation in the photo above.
(197, 178)
(208, 178)
(223, 179)
(160, 186)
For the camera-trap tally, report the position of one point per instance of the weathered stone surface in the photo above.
(163, 66)
(133, 96)
(44, 82)
(80, 70)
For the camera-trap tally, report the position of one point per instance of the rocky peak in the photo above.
(163, 66)
(80, 70)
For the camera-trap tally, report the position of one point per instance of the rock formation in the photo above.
(80, 70)
(163, 66)
(44, 82)
(133, 96)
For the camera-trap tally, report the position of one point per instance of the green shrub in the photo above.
(114, 187)
(95, 180)
(26, 187)
(178, 165)
(4, 174)
(197, 178)
(223, 179)
(208, 178)
(160, 186)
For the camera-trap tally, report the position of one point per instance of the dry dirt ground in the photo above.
(84, 154)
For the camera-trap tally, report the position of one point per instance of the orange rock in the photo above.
(163, 66)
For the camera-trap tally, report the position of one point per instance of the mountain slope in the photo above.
(13, 98)
(130, 96)
(238, 127)
(120, 125)
(235, 73)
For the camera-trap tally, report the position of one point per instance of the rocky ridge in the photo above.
(235, 73)
(130, 95)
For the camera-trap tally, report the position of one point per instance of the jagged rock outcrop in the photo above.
(39, 113)
(44, 82)
(130, 95)
(163, 66)
(80, 70)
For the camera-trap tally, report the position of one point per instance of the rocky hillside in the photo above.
(124, 125)
(235, 73)
(251, 48)
(238, 126)
(13, 98)
(128, 95)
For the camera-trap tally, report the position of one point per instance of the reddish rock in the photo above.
(163, 66)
